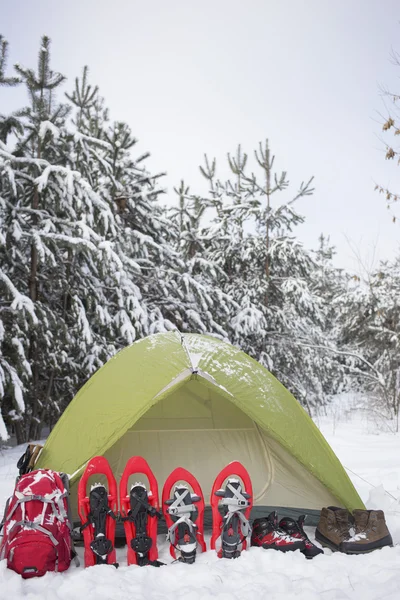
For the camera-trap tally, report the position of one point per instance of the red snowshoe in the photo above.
(268, 535)
(236, 501)
(98, 514)
(140, 513)
(296, 530)
(185, 527)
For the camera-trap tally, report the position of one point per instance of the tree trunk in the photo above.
(20, 431)
(33, 353)
(267, 264)
(32, 432)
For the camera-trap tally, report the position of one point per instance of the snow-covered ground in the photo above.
(373, 461)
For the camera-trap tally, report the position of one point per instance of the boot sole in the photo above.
(369, 547)
(293, 548)
(325, 542)
(309, 555)
(279, 549)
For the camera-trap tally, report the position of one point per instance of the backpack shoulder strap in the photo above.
(5, 513)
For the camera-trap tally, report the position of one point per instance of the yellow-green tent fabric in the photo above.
(197, 402)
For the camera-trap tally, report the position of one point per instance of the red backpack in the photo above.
(37, 525)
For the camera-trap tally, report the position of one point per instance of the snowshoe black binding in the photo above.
(99, 509)
(140, 510)
(140, 513)
(97, 512)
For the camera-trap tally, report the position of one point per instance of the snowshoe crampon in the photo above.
(140, 514)
(231, 506)
(184, 514)
(97, 512)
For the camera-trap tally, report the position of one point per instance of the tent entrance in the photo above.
(198, 428)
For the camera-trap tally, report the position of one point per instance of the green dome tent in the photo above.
(199, 403)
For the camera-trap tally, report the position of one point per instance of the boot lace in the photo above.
(364, 526)
(343, 530)
(342, 527)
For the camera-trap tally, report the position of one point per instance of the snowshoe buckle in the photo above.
(141, 544)
(101, 546)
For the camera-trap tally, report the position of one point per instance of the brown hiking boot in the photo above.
(370, 532)
(333, 528)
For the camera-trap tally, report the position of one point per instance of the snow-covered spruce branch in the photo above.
(379, 377)
(66, 239)
(20, 301)
(106, 166)
(6, 367)
(41, 180)
(253, 181)
(24, 160)
(78, 136)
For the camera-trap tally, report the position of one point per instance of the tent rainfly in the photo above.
(197, 402)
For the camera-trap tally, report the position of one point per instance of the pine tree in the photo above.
(275, 312)
(369, 335)
(90, 256)
(204, 306)
(77, 276)
(8, 124)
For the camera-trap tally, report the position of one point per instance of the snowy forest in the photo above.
(95, 254)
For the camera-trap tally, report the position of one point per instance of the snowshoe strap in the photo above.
(142, 543)
(92, 519)
(141, 503)
(177, 506)
(99, 510)
(144, 561)
(236, 499)
(192, 528)
(156, 563)
(186, 531)
(244, 523)
(230, 536)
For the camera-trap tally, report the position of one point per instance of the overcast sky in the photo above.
(195, 76)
